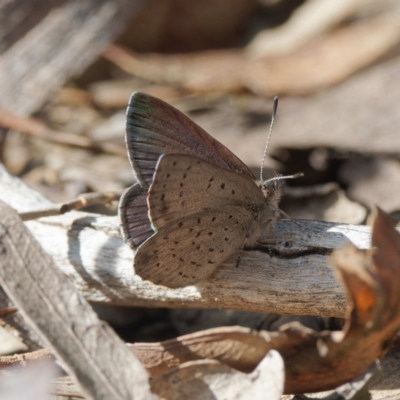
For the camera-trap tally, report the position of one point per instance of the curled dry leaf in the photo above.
(314, 361)
(318, 64)
(308, 21)
(240, 348)
(212, 380)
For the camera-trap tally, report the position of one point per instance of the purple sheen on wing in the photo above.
(154, 128)
(133, 213)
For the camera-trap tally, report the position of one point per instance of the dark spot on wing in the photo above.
(222, 185)
(213, 219)
(210, 250)
(198, 220)
(211, 262)
(211, 179)
(226, 239)
(168, 175)
(181, 184)
(209, 233)
(180, 224)
(233, 192)
(158, 264)
(230, 217)
(189, 167)
(174, 163)
(184, 176)
(181, 259)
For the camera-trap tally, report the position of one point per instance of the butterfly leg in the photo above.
(289, 218)
(239, 258)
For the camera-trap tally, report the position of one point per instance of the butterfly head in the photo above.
(272, 188)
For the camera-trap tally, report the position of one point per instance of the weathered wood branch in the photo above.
(54, 41)
(296, 279)
(89, 350)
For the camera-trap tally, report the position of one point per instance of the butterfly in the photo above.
(195, 204)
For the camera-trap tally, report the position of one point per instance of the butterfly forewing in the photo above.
(154, 128)
(188, 250)
(184, 185)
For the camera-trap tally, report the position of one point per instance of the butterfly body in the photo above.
(196, 204)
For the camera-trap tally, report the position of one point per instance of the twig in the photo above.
(4, 312)
(23, 359)
(31, 127)
(84, 200)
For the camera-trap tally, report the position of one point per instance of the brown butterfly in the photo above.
(195, 204)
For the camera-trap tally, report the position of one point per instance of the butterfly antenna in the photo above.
(269, 136)
(278, 178)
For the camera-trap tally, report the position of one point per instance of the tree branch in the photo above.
(295, 280)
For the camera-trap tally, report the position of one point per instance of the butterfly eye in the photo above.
(268, 192)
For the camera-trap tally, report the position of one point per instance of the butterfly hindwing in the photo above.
(134, 217)
(184, 185)
(189, 250)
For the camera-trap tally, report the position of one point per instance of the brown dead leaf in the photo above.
(211, 380)
(327, 60)
(318, 64)
(314, 361)
(308, 21)
(237, 347)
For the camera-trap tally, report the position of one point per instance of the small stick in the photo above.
(84, 200)
(4, 312)
(31, 127)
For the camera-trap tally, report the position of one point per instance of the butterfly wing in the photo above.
(190, 249)
(202, 215)
(154, 128)
(184, 185)
(133, 213)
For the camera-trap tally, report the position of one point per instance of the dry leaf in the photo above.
(327, 60)
(310, 20)
(211, 380)
(319, 64)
